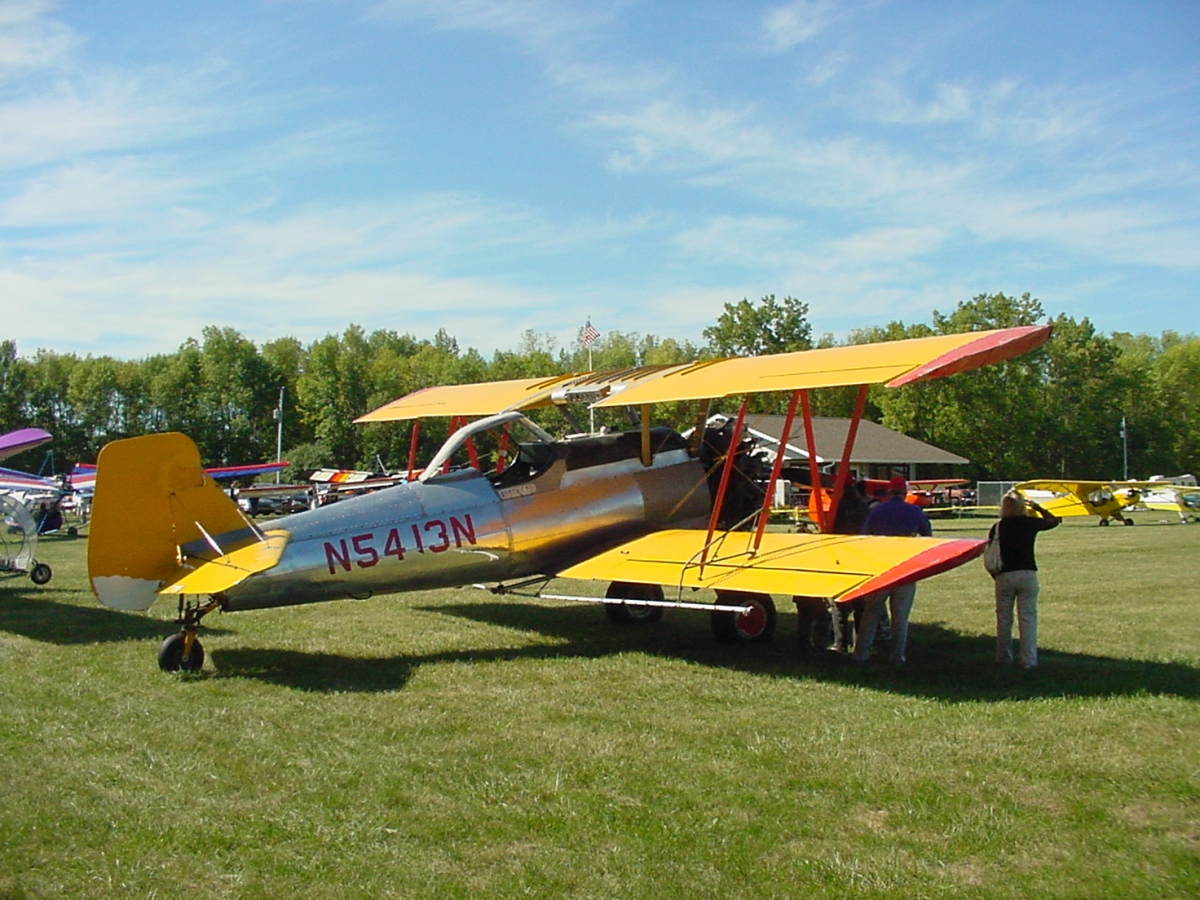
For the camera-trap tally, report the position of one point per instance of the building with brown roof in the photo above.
(878, 452)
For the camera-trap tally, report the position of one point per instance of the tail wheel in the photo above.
(754, 626)
(171, 654)
(633, 613)
(41, 574)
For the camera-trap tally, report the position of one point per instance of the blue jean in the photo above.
(901, 600)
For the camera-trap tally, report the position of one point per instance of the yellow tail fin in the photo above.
(154, 509)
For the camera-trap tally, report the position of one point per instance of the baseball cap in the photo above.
(897, 485)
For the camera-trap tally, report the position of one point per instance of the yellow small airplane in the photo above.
(1105, 499)
(505, 503)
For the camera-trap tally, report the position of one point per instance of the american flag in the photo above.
(589, 334)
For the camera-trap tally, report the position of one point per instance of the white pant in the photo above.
(902, 597)
(1022, 587)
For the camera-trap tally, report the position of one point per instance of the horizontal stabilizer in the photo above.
(224, 572)
(841, 567)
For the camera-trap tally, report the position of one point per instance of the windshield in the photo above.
(492, 446)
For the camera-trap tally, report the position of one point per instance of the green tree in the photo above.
(770, 326)
(285, 359)
(1079, 411)
(109, 398)
(13, 374)
(238, 392)
(48, 404)
(1177, 372)
(991, 415)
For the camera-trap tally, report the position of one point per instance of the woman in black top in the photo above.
(1018, 581)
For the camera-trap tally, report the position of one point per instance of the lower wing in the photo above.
(842, 567)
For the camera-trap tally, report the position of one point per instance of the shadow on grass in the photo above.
(321, 672)
(944, 664)
(31, 614)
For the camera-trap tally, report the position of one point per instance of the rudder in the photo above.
(152, 499)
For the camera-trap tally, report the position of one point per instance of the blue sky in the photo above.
(492, 166)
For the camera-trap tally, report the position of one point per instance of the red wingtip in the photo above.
(933, 561)
(994, 347)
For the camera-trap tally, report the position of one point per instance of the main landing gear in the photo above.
(183, 651)
(633, 613)
(755, 625)
(742, 617)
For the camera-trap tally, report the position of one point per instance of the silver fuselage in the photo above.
(463, 527)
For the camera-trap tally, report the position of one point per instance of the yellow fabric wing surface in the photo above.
(893, 362)
(1083, 488)
(483, 399)
(816, 565)
(225, 571)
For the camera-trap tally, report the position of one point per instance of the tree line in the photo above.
(1055, 412)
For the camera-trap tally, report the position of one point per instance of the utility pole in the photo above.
(1125, 448)
(279, 431)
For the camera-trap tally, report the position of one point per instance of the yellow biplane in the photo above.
(1107, 500)
(504, 503)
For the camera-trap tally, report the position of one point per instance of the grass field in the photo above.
(457, 744)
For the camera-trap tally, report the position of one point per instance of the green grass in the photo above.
(457, 744)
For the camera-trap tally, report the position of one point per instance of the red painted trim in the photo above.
(929, 562)
(839, 486)
(719, 501)
(814, 468)
(503, 452)
(776, 468)
(993, 348)
(412, 449)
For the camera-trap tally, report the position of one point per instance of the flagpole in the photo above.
(591, 411)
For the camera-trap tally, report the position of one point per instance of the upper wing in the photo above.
(893, 362)
(22, 439)
(843, 567)
(1075, 488)
(484, 399)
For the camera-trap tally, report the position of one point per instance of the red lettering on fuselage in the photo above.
(332, 556)
(462, 530)
(367, 553)
(368, 556)
(443, 535)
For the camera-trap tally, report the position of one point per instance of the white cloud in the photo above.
(787, 26)
(91, 192)
(667, 135)
(538, 24)
(28, 40)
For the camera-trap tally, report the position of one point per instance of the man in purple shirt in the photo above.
(896, 517)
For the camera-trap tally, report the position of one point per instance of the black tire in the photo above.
(1127, 521)
(629, 613)
(41, 574)
(1104, 521)
(754, 627)
(170, 655)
